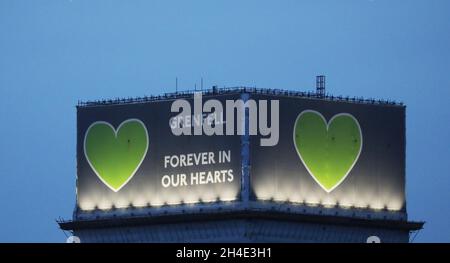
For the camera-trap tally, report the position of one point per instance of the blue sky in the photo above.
(53, 53)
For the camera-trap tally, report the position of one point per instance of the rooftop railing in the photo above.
(236, 90)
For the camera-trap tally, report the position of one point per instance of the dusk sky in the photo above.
(54, 53)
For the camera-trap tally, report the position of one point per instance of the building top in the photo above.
(237, 90)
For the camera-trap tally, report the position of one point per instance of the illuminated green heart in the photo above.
(328, 150)
(115, 155)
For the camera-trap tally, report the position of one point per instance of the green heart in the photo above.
(328, 150)
(115, 155)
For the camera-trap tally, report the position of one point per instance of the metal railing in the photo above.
(233, 90)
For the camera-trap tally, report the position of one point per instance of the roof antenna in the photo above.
(176, 85)
(201, 84)
(320, 86)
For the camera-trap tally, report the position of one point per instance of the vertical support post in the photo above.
(245, 152)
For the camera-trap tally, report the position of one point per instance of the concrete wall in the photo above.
(241, 230)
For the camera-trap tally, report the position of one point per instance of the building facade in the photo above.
(335, 174)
